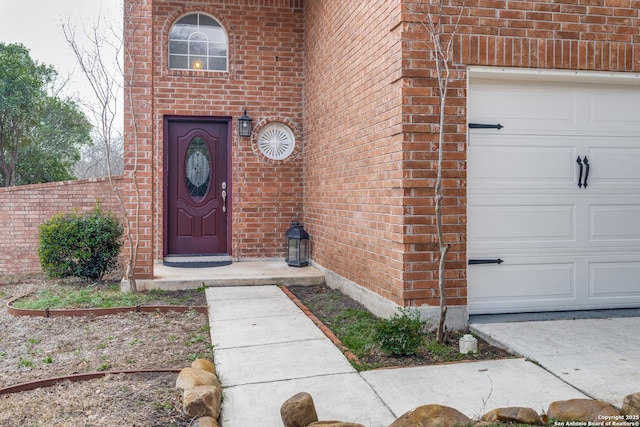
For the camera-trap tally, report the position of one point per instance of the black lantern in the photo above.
(297, 246)
(244, 125)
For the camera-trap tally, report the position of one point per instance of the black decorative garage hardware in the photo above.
(484, 126)
(485, 261)
(583, 163)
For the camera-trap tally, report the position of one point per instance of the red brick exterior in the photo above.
(265, 78)
(24, 208)
(594, 35)
(371, 114)
(139, 150)
(354, 192)
(356, 82)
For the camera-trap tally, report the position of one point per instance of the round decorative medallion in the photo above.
(276, 141)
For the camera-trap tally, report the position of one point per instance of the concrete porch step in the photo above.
(197, 261)
(242, 273)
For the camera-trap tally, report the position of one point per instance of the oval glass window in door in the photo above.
(198, 168)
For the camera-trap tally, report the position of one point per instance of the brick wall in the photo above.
(599, 35)
(353, 185)
(356, 83)
(265, 78)
(139, 154)
(24, 208)
(371, 105)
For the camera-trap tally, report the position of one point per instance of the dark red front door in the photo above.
(197, 187)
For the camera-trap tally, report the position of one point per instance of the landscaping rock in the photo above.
(204, 364)
(202, 401)
(580, 410)
(206, 422)
(298, 411)
(631, 404)
(189, 378)
(334, 424)
(432, 416)
(514, 414)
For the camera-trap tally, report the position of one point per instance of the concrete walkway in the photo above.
(267, 350)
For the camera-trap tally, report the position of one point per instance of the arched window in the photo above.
(198, 42)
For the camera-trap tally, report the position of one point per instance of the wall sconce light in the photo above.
(244, 125)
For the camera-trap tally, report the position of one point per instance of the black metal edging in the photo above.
(32, 385)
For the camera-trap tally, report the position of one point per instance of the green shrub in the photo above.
(402, 334)
(85, 246)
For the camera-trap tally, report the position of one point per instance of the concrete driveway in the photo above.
(598, 356)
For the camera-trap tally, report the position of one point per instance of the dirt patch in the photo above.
(115, 400)
(35, 348)
(329, 304)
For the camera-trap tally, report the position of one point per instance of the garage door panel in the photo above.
(551, 108)
(614, 223)
(614, 280)
(614, 167)
(521, 285)
(537, 283)
(615, 109)
(563, 246)
(523, 164)
(521, 224)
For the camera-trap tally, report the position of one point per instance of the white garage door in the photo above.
(554, 195)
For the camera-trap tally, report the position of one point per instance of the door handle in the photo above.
(586, 173)
(224, 196)
(583, 162)
(580, 172)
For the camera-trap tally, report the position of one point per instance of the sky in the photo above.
(37, 24)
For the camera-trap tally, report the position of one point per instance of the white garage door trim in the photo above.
(564, 247)
(506, 73)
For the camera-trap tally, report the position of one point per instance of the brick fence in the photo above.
(24, 208)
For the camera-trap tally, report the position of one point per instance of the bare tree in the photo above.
(93, 161)
(441, 20)
(102, 66)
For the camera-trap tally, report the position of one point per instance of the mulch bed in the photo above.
(326, 304)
